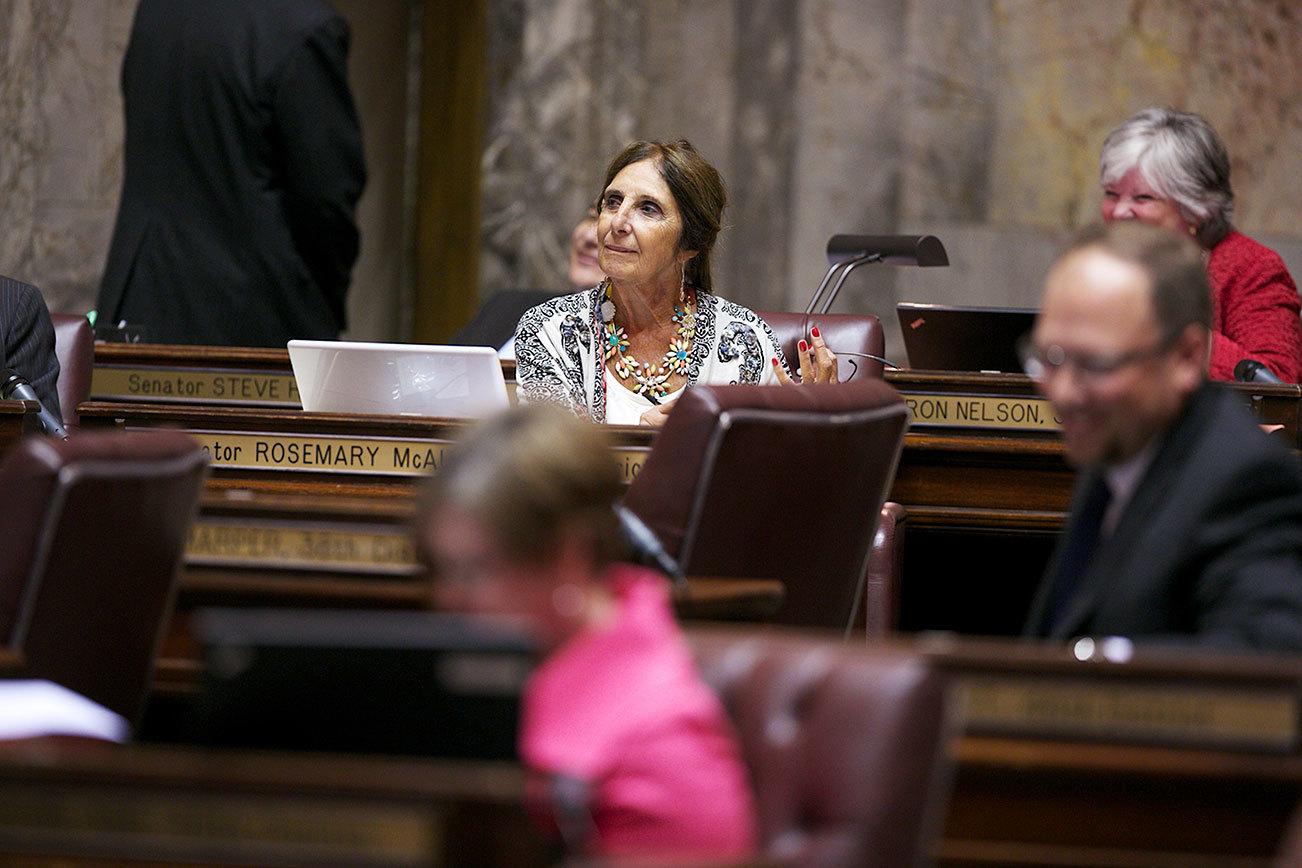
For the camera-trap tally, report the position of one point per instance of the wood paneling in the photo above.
(451, 135)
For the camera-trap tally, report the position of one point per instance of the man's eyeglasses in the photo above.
(1039, 362)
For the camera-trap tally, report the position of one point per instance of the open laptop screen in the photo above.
(398, 379)
(944, 338)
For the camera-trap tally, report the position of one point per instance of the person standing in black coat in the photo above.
(242, 169)
(1186, 525)
(27, 340)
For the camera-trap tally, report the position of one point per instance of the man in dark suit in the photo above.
(27, 340)
(1186, 525)
(243, 166)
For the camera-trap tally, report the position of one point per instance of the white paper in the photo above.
(31, 709)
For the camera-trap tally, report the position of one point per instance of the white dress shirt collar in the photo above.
(1122, 480)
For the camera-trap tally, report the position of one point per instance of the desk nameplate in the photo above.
(371, 455)
(179, 825)
(1179, 714)
(243, 387)
(291, 545)
(983, 412)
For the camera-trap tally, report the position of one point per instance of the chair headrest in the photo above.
(866, 394)
(52, 454)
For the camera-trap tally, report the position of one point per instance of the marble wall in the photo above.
(975, 120)
(60, 142)
(61, 148)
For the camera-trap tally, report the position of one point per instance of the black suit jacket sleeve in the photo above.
(28, 338)
(1249, 594)
(321, 145)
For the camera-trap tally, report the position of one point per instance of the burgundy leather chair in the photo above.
(844, 333)
(782, 483)
(844, 745)
(74, 345)
(1290, 848)
(94, 530)
(859, 333)
(885, 566)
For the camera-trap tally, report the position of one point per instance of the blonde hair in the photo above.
(529, 476)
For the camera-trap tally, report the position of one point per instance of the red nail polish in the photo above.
(803, 346)
(815, 332)
(775, 361)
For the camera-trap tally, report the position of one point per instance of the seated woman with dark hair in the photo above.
(1169, 168)
(632, 753)
(624, 350)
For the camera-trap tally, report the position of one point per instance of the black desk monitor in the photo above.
(369, 682)
(943, 338)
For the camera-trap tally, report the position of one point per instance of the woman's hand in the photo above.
(656, 416)
(817, 362)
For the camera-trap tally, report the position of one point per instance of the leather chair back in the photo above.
(844, 745)
(95, 528)
(782, 483)
(74, 345)
(857, 333)
(1290, 848)
(885, 566)
(844, 333)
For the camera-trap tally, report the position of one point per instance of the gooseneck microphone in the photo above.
(647, 548)
(15, 386)
(1253, 371)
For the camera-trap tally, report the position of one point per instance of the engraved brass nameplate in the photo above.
(279, 544)
(195, 386)
(322, 453)
(1173, 714)
(1004, 412)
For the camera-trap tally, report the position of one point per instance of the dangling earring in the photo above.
(680, 348)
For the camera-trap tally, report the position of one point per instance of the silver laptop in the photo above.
(398, 379)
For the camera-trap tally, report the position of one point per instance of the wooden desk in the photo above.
(987, 495)
(177, 673)
(254, 549)
(1166, 759)
(243, 376)
(1049, 804)
(293, 452)
(977, 498)
(230, 376)
(63, 800)
(1169, 759)
(11, 663)
(982, 474)
(1009, 403)
(256, 377)
(16, 419)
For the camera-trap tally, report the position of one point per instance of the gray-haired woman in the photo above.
(1169, 168)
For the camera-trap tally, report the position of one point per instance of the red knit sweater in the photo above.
(1254, 309)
